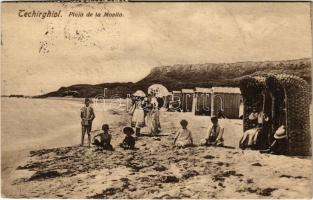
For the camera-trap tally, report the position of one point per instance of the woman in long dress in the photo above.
(153, 122)
(153, 117)
(138, 117)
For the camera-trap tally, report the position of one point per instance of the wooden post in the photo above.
(194, 103)
(104, 92)
(286, 116)
(212, 104)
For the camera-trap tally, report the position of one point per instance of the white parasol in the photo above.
(158, 89)
(139, 93)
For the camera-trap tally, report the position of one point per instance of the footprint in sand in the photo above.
(250, 180)
(257, 164)
(208, 157)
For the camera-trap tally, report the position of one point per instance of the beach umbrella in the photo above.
(139, 93)
(159, 90)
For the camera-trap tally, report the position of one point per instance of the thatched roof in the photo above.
(249, 83)
(289, 82)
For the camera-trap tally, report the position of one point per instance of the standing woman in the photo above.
(153, 117)
(138, 117)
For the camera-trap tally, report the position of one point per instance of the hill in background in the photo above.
(189, 76)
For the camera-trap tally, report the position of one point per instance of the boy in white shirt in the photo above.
(215, 134)
(87, 115)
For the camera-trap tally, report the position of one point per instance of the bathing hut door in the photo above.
(188, 99)
(194, 104)
(218, 104)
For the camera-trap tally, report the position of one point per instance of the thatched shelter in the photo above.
(291, 103)
(285, 99)
(256, 96)
(252, 89)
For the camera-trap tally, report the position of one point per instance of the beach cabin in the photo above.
(226, 100)
(203, 98)
(286, 100)
(187, 99)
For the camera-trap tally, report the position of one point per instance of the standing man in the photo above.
(87, 115)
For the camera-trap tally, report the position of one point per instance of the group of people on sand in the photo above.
(102, 139)
(214, 137)
(145, 112)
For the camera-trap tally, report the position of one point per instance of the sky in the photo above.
(41, 55)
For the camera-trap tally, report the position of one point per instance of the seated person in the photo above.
(103, 139)
(129, 140)
(250, 137)
(279, 146)
(183, 136)
(258, 117)
(215, 134)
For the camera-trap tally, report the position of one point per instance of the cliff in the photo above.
(187, 76)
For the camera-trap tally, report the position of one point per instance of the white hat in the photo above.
(280, 133)
(139, 93)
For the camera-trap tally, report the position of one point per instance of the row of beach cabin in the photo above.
(207, 101)
(285, 98)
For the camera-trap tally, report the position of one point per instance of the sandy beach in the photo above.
(226, 59)
(41, 158)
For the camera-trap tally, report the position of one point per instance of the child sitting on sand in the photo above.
(183, 136)
(103, 139)
(215, 134)
(129, 140)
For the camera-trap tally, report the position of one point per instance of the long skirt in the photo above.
(249, 138)
(183, 143)
(153, 122)
(138, 119)
(214, 142)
